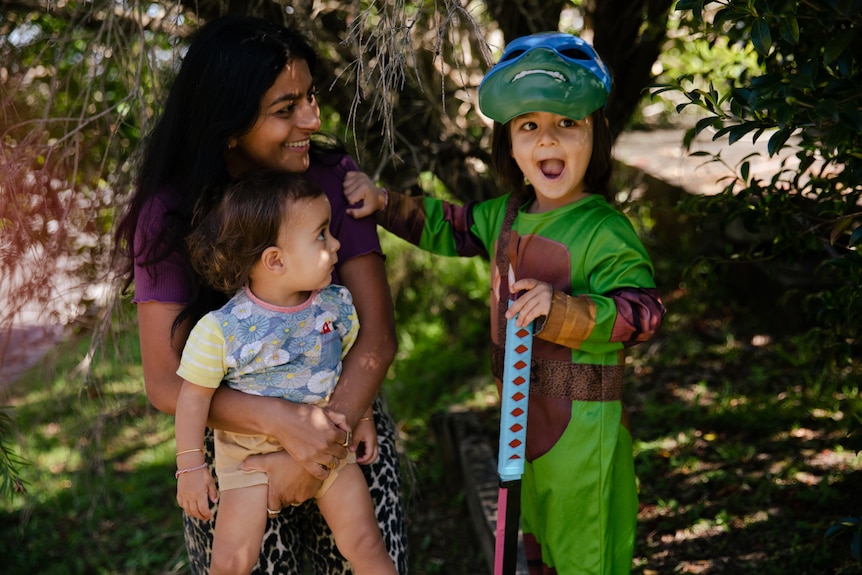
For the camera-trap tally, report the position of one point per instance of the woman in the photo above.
(244, 98)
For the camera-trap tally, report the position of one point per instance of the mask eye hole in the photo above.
(575, 54)
(512, 55)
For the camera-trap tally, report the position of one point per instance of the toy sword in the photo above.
(513, 438)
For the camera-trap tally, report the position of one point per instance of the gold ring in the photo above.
(272, 513)
(347, 440)
(294, 504)
(333, 463)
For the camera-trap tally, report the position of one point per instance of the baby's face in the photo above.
(310, 251)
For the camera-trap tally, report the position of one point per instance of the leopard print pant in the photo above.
(300, 536)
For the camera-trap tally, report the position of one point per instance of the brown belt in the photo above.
(576, 382)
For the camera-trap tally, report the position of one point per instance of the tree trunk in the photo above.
(629, 34)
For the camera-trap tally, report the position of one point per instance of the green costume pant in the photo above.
(579, 500)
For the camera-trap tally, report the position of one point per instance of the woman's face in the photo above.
(288, 117)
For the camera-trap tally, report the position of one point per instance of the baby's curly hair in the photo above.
(227, 242)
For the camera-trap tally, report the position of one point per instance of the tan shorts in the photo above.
(231, 449)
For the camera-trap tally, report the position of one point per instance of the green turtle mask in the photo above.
(547, 72)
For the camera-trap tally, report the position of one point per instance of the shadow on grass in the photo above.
(100, 491)
(745, 452)
(128, 524)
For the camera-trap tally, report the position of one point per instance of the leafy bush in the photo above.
(801, 225)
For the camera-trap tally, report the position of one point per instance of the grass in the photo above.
(746, 445)
(99, 489)
(745, 458)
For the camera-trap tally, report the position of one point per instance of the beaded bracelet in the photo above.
(189, 470)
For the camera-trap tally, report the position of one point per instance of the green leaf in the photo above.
(737, 132)
(835, 529)
(756, 135)
(778, 139)
(838, 229)
(744, 171)
(805, 161)
(661, 88)
(718, 20)
(783, 115)
(761, 37)
(789, 29)
(837, 44)
(856, 237)
(688, 138)
(696, 7)
(827, 109)
(705, 123)
(850, 111)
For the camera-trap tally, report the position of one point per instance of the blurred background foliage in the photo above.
(762, 280)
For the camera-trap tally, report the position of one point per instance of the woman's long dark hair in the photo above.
(230, 64)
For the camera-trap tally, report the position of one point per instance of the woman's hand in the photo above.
(289, 484)
(533, 303)
(363, 196)
(316, 438)
(304, 430)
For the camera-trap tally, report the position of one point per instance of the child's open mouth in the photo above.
(552, 168)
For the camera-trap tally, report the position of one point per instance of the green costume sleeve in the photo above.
(619, 305)
(436, 226)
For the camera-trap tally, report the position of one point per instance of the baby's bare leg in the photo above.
(348, 511)
(239, 528)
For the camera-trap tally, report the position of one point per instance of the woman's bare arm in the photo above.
(366, 364)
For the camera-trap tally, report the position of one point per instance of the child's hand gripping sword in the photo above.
(513, 439)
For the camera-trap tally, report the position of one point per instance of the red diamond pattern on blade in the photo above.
(514, 443)
(518, 396)
(517, 412)
(520, 364)
(522, 333)
(519, 380)
(515, 456)
(516, 428)
(521, 348)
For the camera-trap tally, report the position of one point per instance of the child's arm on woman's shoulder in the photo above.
(434, 225)
(363, 196)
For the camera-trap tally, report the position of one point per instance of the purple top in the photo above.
(166, 282)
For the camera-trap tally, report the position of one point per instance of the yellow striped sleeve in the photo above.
(203, 362)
